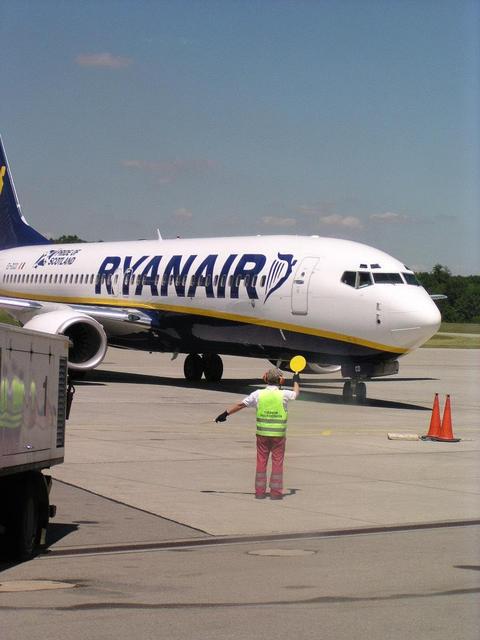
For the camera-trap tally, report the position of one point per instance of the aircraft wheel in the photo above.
(212, 367)
(347, 392)
(361, 393)
(193, 367)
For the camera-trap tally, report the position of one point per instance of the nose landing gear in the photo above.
(354, 391)
(210, 365)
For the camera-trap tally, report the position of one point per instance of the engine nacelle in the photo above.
(88, 341)
(311, 367)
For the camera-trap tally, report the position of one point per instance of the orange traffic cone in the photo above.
(446, 431)
(435, 427)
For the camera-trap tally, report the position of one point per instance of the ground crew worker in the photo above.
(271, 405)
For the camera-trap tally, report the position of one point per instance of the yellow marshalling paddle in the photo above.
(297, 364)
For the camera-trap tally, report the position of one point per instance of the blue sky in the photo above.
(354, 119)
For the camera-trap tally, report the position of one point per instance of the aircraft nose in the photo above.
(416, 323)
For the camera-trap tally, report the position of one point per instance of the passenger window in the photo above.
(349, 277)
(364, 279)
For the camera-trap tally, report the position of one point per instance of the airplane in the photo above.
(343, 305)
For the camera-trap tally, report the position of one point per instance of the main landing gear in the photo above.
(354, 391)
(210, 365)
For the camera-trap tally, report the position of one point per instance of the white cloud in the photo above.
(316, 209)
(105, 60)
(389, 217)
(275, 221)
(337, 220)
(322, 211)
(169, 171)
(183, 214)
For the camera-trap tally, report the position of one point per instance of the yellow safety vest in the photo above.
(271, 414)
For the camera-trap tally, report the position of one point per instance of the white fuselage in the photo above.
(343, 296)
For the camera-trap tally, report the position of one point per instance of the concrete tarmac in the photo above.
(140, 435)
(400, 586)
(158, 534)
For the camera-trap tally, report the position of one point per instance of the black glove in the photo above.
(296, 377)
(222, 417)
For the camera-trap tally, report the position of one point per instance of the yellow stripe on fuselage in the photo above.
(211, 313)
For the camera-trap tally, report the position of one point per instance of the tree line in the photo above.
(463, 292)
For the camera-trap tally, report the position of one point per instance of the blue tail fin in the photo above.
(14, 230)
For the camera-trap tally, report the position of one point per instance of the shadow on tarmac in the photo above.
(291, 492)
(55, 532)
(244, 386)
(58, 530)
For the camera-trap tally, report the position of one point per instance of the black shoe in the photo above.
(260, 496)
(276, 497)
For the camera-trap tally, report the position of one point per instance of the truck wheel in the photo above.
(24, 525)
(27, 530)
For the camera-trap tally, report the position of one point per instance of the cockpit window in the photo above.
(411, 278)
(357, 279)
(387, 278)
(364, 279)
(349, 277)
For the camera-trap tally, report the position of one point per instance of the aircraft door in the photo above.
(300, 286)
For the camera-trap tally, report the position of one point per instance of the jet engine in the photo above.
(88, 342)
(311, 367)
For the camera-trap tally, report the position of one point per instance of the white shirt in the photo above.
(252, 399)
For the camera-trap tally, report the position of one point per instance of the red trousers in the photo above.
(265, 446)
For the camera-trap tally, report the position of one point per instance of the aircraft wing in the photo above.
(438, 296)
(18, 304)
(130, 315)
(108, 313)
